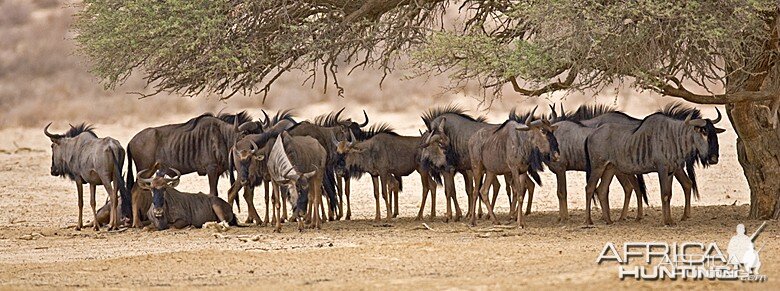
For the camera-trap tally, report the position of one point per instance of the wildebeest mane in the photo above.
(680, 111)
(242, 117)
(283, 115)
(435, 112)
(330, 119)
(377, 129)
(587, 111)
(74, 131)
(514, 116)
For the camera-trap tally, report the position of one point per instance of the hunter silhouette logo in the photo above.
(689, 260)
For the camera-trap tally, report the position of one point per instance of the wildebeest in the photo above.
(81, 156)
(298, 164)
(663, 143)
(171, 208)
(200, 145)
(508, 150)
(446, 148)
(387, 157)
(343, 176)
(251, 171)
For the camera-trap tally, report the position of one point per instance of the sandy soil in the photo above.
(38, 249)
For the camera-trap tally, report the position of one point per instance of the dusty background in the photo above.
(43, 79)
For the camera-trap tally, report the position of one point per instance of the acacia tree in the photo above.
(707, 52)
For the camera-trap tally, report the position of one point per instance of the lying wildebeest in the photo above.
(387, 157)
(200, 145)
(508, 150)
(252, 172)
(663, 143)
(84, 158)
(297, 163)
(171, 208)
(342, 174)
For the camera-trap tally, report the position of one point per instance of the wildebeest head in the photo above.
(334, 119)
(246, 154)
(540, 133)
(435, 145)
(706, 140)
(158, 184)
(58, 165)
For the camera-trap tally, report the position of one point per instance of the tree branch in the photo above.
(552, 87)
(678, 90)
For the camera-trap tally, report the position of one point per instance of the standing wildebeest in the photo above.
(200, 145)
(663, 142)
(343, 175)
(250, 169)
(446, 148)
(386, 156)
(298, 163)
(84, 158)
(508, 150)
(171, 208)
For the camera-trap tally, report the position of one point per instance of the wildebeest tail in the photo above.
(535, 177)
(400, 183)
(692, 175)
(124, 193)
(231, 167)
(642, 187)
(588, 167)
(329, 183)
(130, 178)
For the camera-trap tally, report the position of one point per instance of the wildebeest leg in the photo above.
(425, 188)
(477, 174)
(603, 193)
(520, 181)
(375, 181)
(496, 188)
(640, 197)
(221, 215)
(213, 179)
(265, 186)
(666, 196)
(92, 202)
(249, 197)
(340, 192)
(112, 194)
(449, 192)
(80, 193)
(687, 185)
(346, 193)
(510, 195)
(432, 190)
(531, 188)
(489, 178)
(590, 191)
(284, 207)
(563, 205)
(628, 188)
(276, 201)
(385, 179)
(395, 197)
(318, 199)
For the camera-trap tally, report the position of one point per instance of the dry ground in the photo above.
(38, 250)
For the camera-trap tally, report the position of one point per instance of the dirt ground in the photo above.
(39, 247)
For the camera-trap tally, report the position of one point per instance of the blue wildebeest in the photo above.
(342, 175)
(171, 208)
(664, 142)
(387, 157)
(200, 145)
(445, 149)
(297, 163)
(508, 150)
(251, 171)
(81, 156)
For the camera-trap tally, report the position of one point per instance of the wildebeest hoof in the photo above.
(96, 228)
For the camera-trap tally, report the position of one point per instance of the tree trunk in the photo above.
(758, 151)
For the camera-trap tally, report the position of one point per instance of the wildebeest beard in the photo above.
(536, 164)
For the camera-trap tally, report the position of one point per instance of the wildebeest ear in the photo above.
(309, 174)
(553, 127)
(522, 127)
(719, 130)
(259, 156)
(174, 183)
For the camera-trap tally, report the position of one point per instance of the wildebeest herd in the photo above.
(309, 164)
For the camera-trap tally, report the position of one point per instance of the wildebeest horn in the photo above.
(717, 119)
(421, 133)
(267, 121)
(254, 146)
(334, 140)
(175, 178)
(247, 126)
(145, 180)
(554, 114)
(365, 122)
(531, 116)
(288, 173)
(50, 135)
(336, 117)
